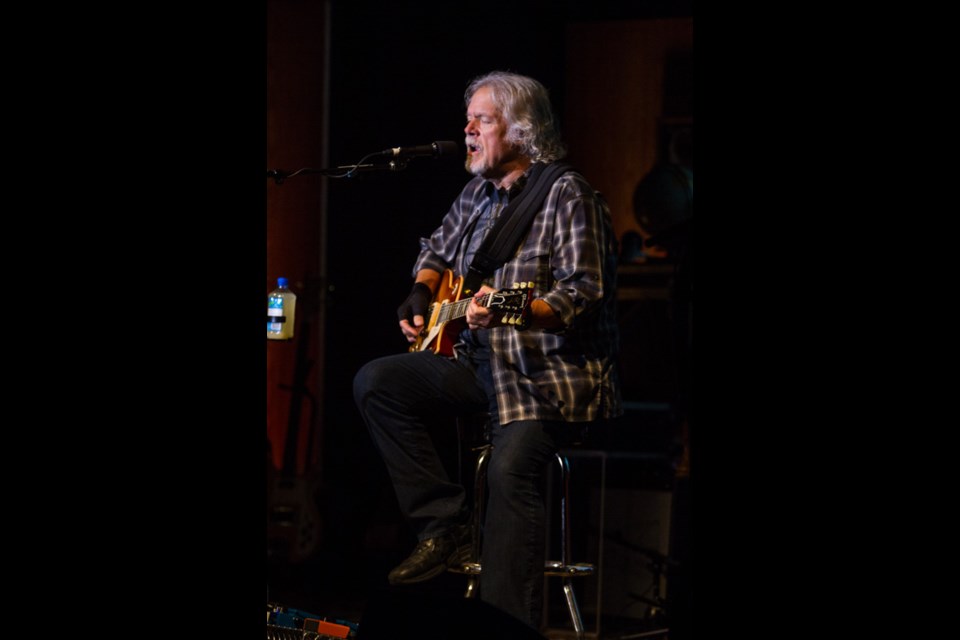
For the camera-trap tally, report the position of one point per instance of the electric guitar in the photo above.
(446, 312)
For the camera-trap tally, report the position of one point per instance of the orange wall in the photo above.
(614, 102)
(296, 53)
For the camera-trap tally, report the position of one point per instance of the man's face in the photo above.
(488, 153)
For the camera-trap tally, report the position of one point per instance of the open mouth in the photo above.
(472, 148)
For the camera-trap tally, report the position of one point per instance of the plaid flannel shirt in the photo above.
(567, 374)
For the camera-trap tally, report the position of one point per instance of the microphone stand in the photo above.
(347, 171)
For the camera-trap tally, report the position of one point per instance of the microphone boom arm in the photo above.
(401, 156)
(331, 172)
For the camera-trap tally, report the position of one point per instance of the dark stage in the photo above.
(349, 78)
(629, 508)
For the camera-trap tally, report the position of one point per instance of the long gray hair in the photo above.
(525, 106)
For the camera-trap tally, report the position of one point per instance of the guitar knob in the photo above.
(530, 285)
(516, 285)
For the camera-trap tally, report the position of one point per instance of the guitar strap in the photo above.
(512, 224)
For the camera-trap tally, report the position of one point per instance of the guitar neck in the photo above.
(458, 309)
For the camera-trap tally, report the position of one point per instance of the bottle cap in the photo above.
(281, 282)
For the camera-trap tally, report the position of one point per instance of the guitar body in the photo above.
(294, 520)
(439, 335)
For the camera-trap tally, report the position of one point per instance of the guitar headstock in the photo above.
(514, 303)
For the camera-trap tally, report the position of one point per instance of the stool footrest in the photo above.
(557, 568)
(550, 568)
(467, 568)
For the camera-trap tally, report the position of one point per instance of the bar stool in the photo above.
(564, 568)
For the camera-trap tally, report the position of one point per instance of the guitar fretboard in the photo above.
(458, 309)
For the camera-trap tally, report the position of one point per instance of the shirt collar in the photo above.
(504, 195)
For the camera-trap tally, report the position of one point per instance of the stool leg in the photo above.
(565, 553)
(479, 482)
(471, 591)
(573, 608)
(565, 546)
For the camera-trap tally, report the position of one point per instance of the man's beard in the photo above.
(474, 167)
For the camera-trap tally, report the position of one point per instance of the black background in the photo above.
(157, 426)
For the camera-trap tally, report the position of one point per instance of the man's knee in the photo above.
(368, 378)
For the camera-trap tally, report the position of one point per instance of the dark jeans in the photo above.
(395, 394)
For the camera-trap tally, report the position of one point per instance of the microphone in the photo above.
(434, 149)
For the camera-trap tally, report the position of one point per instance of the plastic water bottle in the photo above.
(281, 310)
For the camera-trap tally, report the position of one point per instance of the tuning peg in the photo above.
(530, 285)
(516, 285)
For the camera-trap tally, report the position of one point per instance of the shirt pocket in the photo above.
(530, 265)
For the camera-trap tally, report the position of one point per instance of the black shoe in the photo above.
(432, 556)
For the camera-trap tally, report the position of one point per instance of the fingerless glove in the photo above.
(416, 303)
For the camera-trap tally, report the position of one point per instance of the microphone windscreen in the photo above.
(447, 147)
